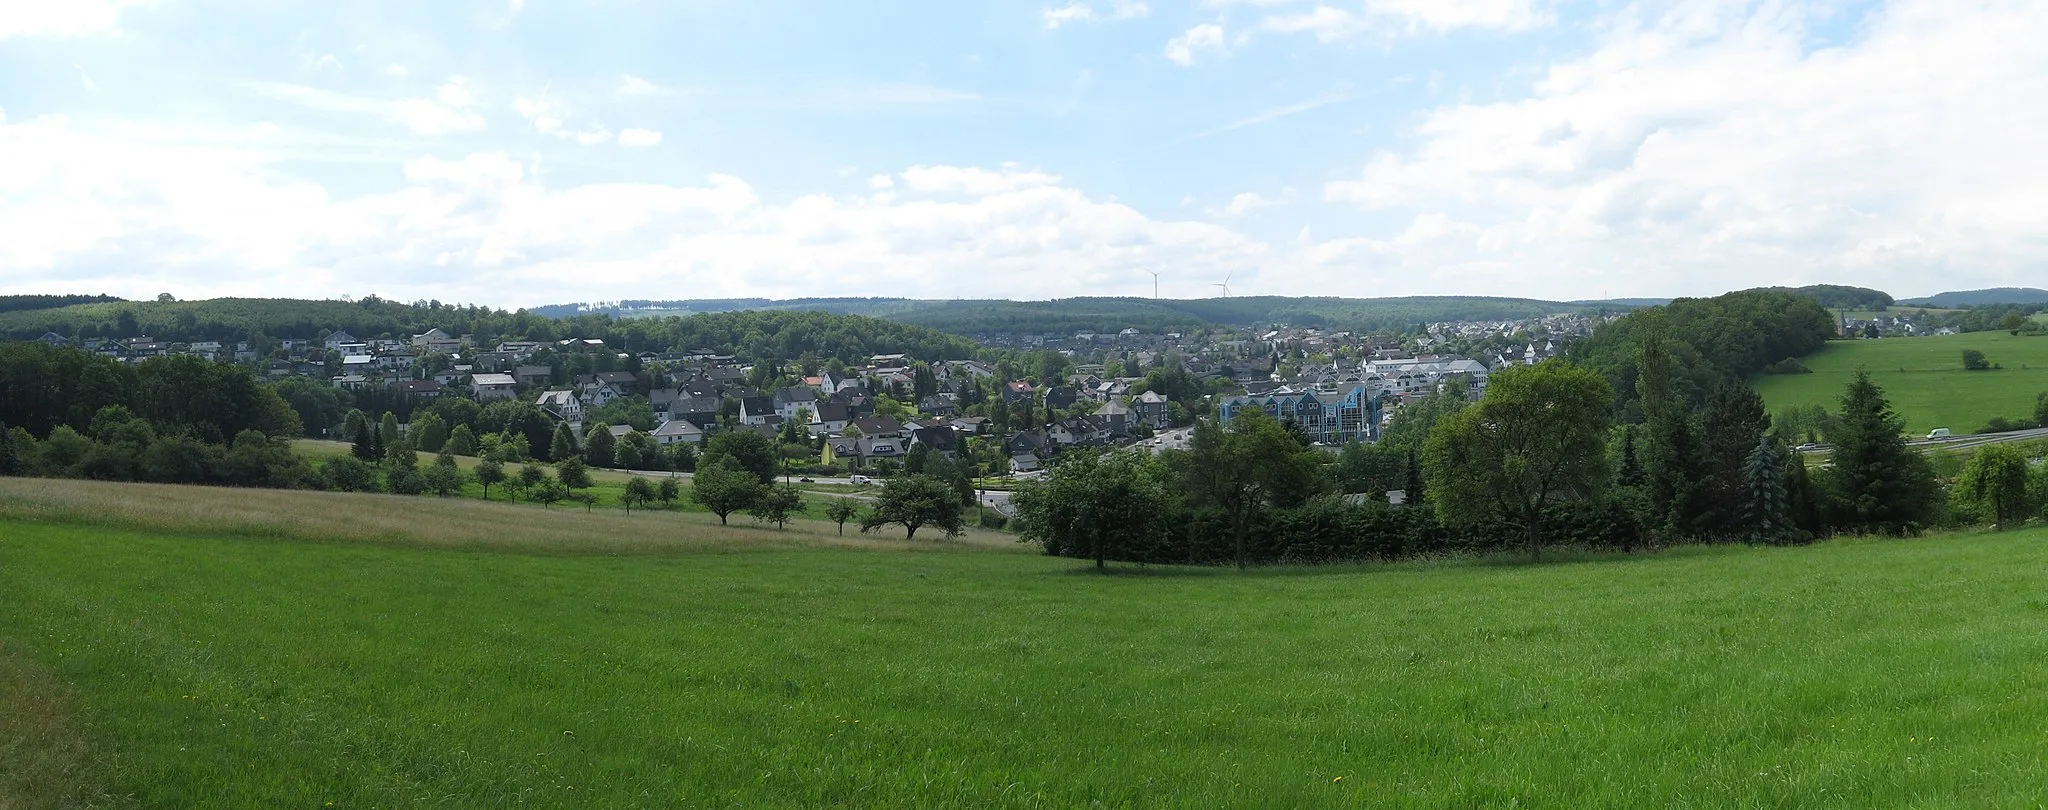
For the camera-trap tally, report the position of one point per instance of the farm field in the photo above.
(275, 654)
(1924, 378)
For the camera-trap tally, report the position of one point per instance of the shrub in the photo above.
(1789, 365)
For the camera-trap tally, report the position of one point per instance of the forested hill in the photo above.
(1070, 315)
(1836, 296)
(17, 303)
(1715, 339)
(1979, 298)
(773, 333)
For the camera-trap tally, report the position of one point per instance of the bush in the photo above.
(1974, 360)
(2000, 424)
(1789, 365)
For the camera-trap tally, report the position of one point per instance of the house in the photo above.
(830, 419)
(972, 425)
(490, 387)
(678, 431)
(451, 375)
(1018, 391)
(1061, 398)
(338, 339)
(564, 405)
(1151, 409)
(54, 339)
(756, 410)
(626, 382)
(358, 364)
(874, 426)
(1118, 415)
(939, 439)
(433, 335)
(789, 401)
(352, 382)
(1079, 430)
(941, 404)
(394, 361)
(533, 376)
(701, 410)
(423, 389)
(601, 394)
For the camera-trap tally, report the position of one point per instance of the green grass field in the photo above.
(1924, 378)
(251, 658)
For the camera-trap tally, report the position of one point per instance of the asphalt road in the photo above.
(1956, 442)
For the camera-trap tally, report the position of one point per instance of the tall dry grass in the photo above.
(423, 521)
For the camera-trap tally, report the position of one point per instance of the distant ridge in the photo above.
(1978, 298)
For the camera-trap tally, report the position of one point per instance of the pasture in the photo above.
(1924, 378)
(159, 655)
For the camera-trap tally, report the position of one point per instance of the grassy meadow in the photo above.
(1924, 378)
(171, 647)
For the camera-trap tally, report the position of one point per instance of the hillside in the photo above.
(1978, 298)
(191, 666)
(1924, 378)
(1069, 315)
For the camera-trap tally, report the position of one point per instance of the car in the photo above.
(1809, 446)
(1938, 433)
(860, 479)
(805, 481)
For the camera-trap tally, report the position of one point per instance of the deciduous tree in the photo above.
(1536, 438)
(723, 487)
(914, 502)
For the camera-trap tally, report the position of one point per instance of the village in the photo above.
(1013, 412)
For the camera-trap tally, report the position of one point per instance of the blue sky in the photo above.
(519, 153)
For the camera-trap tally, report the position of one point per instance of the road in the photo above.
(1956, 442)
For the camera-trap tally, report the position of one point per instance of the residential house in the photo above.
(1152, 410)
(757, 410)
(678, 431)
(420, 341)
(789, 401)
(874, 426)
(564, 405)
(338, 339)
(533, 376)
(1061, 397)
(352, 382)
(491, 387)
(940, 404)
(941, 439)
(972, 425)
(1083, 430)
(422, 389)
(358, 364)
(451, 375)
(54, 339)
(1330, 417)
(830, 419)
(1018, 391)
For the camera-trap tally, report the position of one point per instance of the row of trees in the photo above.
(1535, 463)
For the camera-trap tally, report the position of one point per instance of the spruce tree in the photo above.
(1879, 485)
(1766, 506)
(366, 445)
(1630, 470)
(1735, 425)
(1413, 488)
(563, 445)
(387, 429)
(1672, 453)
(600, 449)
(10, 454)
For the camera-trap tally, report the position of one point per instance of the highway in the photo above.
(1956, 442)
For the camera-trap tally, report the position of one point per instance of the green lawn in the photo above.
(1924, 378)
(207, 670)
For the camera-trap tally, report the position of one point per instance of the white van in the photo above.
(860, 479)
(1938, 433)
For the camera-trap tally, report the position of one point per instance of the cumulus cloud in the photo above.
(1244, 203)
(1085, 11)
(485, 227)
(1183, 50)
(452, 109)
(1710, 146)
(65, 18)
(631, 85)
(639, 137)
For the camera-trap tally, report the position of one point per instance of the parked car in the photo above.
(860, 479)
(1938, 433)
(805, 481)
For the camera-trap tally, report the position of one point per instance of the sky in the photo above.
(526, 152)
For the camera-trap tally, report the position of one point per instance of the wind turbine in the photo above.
(1225, 284)
(1155, 283)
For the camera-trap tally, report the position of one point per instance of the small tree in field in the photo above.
(914, 502)
(443, 479)
(1996, 480)
(573, 473)
(724, 488)
(668, 492)
(490, 471)
(548, 492)
(531, 476)
(777, 504)
(638, 493)
(1974, 360)
(841, 510)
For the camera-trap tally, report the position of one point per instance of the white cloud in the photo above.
(1443, 15)
(81, 206)
(1087, 11)
(62, 18)
(1183, 50)
(632, 136)
(453, 108)
(1326, 23)
(396, 70)
(1709, 147)
(631, 85)
(1244, 203)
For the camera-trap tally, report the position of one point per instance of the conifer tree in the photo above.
(1413, 488)
(1766, 506)
(600, 448)
(563, 445)
(10, 454)
(1880, 485)
(1672, 453)
(366, 445)
(1735, 426)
